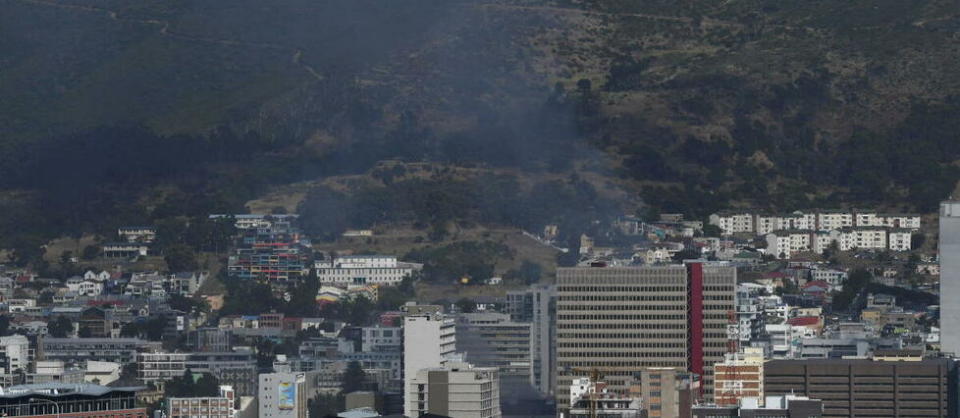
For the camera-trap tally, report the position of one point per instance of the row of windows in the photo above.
(622, 289)
(602, 317)
(639, 307)
(615, 354)
(620, 298)
(597, 335)
(623, 325)
(621, 344)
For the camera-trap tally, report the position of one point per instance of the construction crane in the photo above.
(595, 377)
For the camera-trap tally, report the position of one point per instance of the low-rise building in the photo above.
(363, 269)
(456, 390)
(221, 406)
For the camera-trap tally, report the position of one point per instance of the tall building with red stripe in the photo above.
(622, 320)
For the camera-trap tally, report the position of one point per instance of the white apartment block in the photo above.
(783, 244)
(831, 220)
(899, 240)
(364, 269)
(457, 390)
(731, 223)
(429, 341)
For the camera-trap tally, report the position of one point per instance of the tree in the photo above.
(711, 230)
(60, 327)
(917, 240)
(352, 379)
(180, 257)
(90, 252)
(466, 305)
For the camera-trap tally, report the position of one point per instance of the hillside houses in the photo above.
(798, 232)
(733, 222)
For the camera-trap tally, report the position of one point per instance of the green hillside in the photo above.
(120, 111)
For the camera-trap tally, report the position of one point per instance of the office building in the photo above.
(950, 277)
(70, 400)
(868, 388)
(15, 354)
(207, 407)
(456, 390)
(490, 339)
(788, 406)
(739, 376)
(622, 320)
(116, 350)
(284, 395)
(364, 269)
(429, 341)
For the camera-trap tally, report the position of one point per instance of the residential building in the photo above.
(455, 390)
(739, 376)
(363, 269)
(538, 305)
(270, 253)
(622, 320)
(284, 394)
(733, 222)
(207, 407)
(429, 341)
(493, 340)
(74, 400)
(868, 387)
(750, 313)
(949, 248)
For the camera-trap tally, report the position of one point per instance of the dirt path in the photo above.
(163, 28)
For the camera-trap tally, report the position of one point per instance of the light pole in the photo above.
(56, 407)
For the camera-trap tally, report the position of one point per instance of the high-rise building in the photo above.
(868, 388)
(456, 390)
(538, 306)
(489, 339)
(622, 320)
(429, 341)
(285, 394)
(950, 277)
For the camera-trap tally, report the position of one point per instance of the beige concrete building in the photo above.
(455, 390)
(623, 320)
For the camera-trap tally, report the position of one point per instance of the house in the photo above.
(932, 269)
(99, 277)
(816, 288)
(125, 249)
(144, 234)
